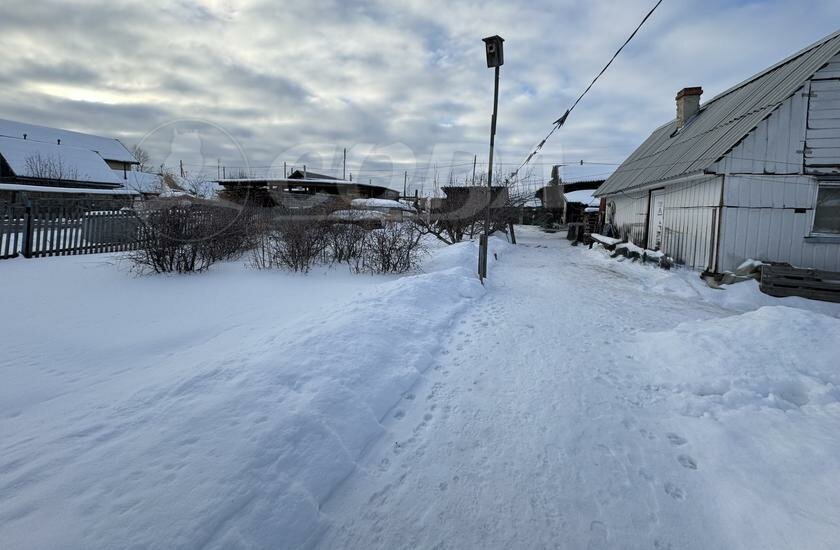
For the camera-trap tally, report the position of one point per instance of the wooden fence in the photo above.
(60, 228)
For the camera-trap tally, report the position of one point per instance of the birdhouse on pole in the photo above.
(495, 51)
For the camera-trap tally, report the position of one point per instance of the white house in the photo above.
(42, 157)
(752, 173)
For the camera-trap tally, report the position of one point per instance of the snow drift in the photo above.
(241, 449)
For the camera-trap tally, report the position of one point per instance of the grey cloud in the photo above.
(278, 74)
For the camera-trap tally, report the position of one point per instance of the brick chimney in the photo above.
(688, 103)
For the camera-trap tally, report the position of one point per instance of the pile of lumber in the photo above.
(815, 284)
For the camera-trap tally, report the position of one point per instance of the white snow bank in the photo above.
(776, 357)
(141, 425)
(759, 397)
(738, 298)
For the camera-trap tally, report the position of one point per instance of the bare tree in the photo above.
(50, 168)
(143, 157)
(197, 185)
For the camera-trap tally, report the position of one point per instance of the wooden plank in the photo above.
(814, 284)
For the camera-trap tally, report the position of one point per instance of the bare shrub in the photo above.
(188, 238)
(394, 248)
(345, 241)
(290, 241)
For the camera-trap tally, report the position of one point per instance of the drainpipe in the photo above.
(716, 267)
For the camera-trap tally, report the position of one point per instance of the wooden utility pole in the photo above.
(475, 160)
(181, 164)
(495, 59)
(285, 174)
(344, 171)
(483, 241)
(405, 184)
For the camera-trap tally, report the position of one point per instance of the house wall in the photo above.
(772, 178)
(690, 219)
(769, 217)
(775, 146)
(823, 134)
(770, 181)
(117, 166)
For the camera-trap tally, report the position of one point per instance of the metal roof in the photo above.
(108, 148)
(721, 122)
(46, 161)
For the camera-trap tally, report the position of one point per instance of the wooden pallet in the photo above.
(814, 284)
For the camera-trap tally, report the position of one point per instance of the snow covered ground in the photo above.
(576, 402)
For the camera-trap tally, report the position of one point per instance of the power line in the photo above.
(562, 120)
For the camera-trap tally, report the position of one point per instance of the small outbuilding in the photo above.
(752, 173)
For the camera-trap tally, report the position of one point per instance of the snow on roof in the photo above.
(144, 182)
(71, 190)
(584, 196)
(36, 159)
(108, 148)
(380, 203)
(721, 123)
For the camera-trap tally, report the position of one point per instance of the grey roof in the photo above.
(108, 148)
(721, 123)
(299, 174)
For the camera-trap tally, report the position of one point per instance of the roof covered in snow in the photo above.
(39, 160)
(585, 196)
(144, 182)
(65, 190)
(721, 123)
(380, 203)
(108, 148)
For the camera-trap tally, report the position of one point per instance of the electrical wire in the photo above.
(562, 120)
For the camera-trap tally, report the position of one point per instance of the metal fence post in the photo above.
(28, 232)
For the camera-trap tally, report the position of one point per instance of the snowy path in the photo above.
(534, 432)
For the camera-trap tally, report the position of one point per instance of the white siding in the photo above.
(823, 137)
(630, 214)
(775, 146)
(689, 222)
(769, 218)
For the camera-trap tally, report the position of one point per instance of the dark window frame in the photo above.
(821, 232)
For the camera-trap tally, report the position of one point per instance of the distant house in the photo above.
(752, 173)
(301, 189)
(569, 199)
(391, 209)
(36, 158)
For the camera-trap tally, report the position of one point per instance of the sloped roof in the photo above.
(299, 175)
(36, 159)
(144, 182)
(583, 196)
(721, 123)
(108, 148)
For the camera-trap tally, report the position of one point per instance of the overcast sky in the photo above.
(400, 83)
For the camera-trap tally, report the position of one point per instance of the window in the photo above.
(827, 212)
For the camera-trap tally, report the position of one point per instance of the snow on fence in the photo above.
(59, 228)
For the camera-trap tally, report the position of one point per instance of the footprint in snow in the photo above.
(597, 535)
(675, 439)
(399, 414)
(687, 462)
(674, 491)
